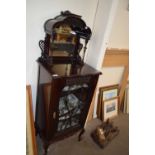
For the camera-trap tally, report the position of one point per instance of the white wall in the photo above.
(102, 27)
(111, 76)
(110, 30)
(119, 37)
(101, 32)
(38, 11)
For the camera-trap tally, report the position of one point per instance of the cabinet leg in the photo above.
(80, 134)
(36, 128)
(46, 144)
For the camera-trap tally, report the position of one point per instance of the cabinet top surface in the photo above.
(67, 70)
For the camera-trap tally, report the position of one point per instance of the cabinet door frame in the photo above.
(56, 86)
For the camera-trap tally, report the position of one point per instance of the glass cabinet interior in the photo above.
(71, 104)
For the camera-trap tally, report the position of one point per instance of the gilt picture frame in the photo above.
(110, 108)
(31, 146)
(109, 92)
(106, 93)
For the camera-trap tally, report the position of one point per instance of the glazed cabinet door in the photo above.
(70, 101)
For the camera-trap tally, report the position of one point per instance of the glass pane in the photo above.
(64, 41)
(71, 105)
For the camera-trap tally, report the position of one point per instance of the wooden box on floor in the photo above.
(104, 133)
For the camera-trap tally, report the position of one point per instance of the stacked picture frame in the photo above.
(31, 144)
(108, 102)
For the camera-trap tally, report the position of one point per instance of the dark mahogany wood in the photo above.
(64, 33)
(52, 79)
(80, 134)
(65, 83)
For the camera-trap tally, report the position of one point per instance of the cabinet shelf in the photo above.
(73, 116)
(68, 122)
(70, 112)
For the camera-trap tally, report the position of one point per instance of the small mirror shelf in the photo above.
(63, 39)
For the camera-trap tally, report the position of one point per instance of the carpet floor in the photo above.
(71, 146)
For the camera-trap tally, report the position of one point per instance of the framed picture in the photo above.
(109, 92)
(105, 94)
(110, 108)
(31, 147)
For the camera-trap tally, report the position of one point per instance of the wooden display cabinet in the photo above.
(63, 99)
(65, 83)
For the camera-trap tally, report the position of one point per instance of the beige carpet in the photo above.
(71, 146)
